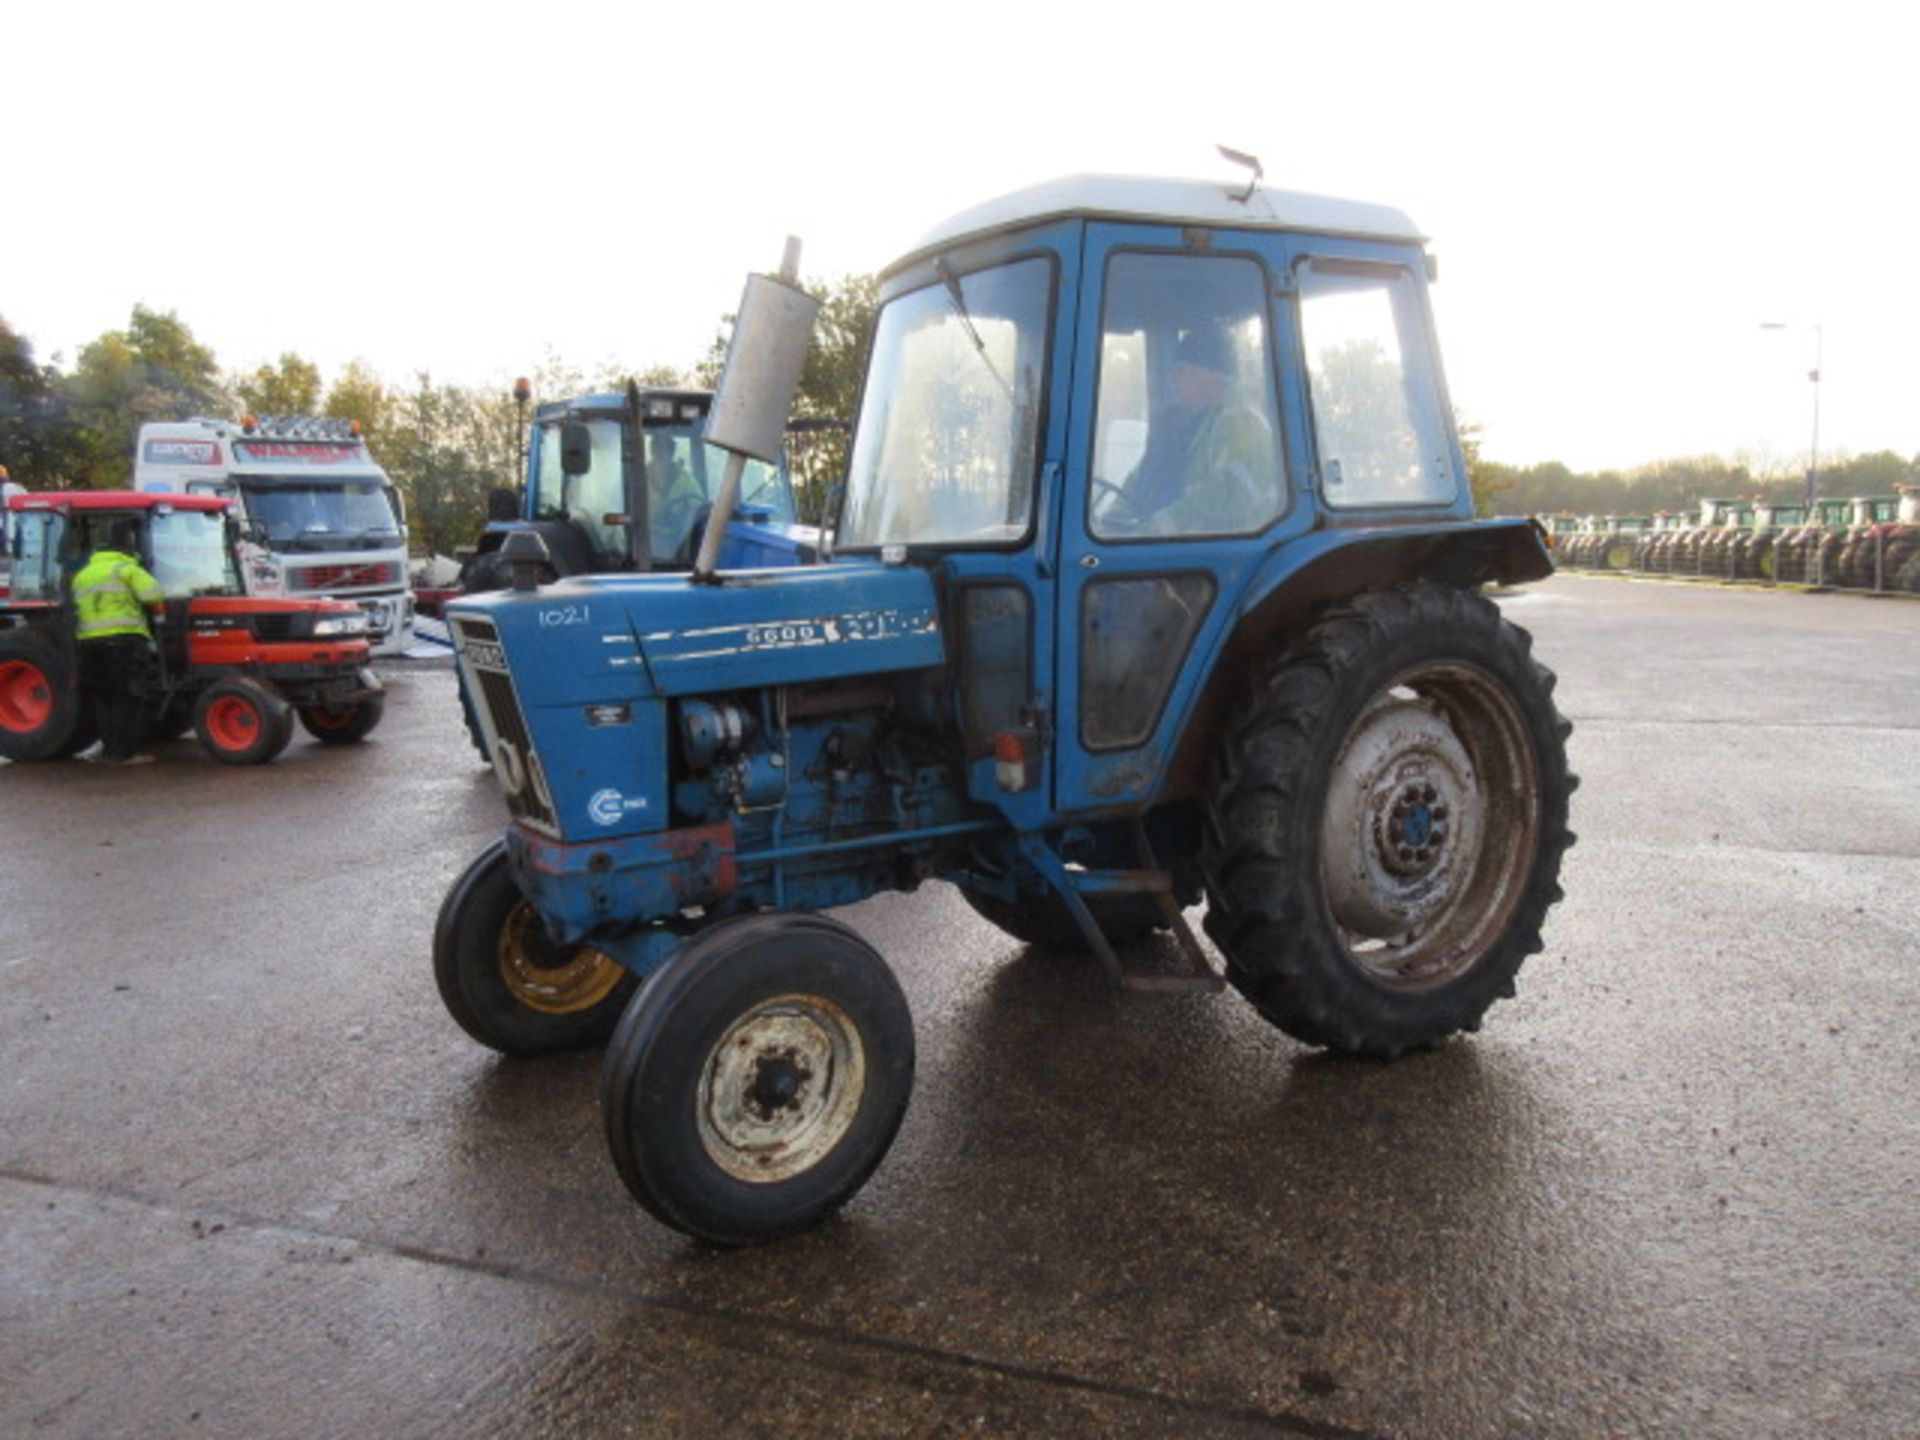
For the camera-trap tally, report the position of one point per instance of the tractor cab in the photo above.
(184, 541)
(626, 482)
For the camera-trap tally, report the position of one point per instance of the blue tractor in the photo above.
(625, 482)
(1154, 581)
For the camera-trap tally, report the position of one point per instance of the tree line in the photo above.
(1676, 486)
(447, 445)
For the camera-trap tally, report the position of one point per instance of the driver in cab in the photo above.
(674, 496)
(1209, 466)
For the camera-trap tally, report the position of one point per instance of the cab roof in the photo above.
(1168, 202)
(113, 500)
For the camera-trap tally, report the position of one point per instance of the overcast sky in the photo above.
(1618, 193)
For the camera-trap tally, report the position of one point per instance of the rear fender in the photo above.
(1329, 565)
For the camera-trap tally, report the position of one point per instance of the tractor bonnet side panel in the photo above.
(788, 627)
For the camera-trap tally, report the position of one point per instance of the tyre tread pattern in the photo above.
(1264, 908)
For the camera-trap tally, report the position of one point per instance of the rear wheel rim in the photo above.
(1431, 826)
(26, 697)
(233, 723)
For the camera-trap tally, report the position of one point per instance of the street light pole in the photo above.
(1813, 452)
(1813, 466)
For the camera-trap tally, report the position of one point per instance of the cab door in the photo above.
(1184, 439)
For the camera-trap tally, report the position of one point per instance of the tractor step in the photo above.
(1149, 879)
(1196, 975)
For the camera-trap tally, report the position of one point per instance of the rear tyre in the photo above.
(42, 713)
(343, 724)
(1042, 919)
(239, 721)
(1389, 809)
(1908, 580)
(506, 982)
(759, 1079)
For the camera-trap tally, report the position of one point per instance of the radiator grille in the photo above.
(483, 665)
(345, 577)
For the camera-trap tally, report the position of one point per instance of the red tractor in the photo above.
(237, 668)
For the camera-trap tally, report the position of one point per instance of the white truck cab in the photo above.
(319, 517)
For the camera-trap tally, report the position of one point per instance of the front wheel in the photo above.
(1389, 811)
(506, 982)
(239, 721)
(759, 1079)
(343, 724)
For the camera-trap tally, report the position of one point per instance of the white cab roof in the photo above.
(1172, 202)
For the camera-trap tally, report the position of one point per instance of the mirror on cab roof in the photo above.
(576, 448)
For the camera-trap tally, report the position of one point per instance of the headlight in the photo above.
(354, 624)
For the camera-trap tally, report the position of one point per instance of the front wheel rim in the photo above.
(552, 979)
(1431, 825)
(781, 1088)
(233, 723)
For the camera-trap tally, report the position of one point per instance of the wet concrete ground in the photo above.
(253, 1182)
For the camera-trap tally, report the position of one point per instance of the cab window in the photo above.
(1185, 419)
(1376, 414)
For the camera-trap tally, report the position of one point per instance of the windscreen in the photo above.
(344, 514)
(682, 471)
(944, 452)
(190, 555)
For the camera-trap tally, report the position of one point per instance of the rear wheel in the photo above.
(504, 979)
(759, 1079)
(343, 724)
(43, 715)
(1389, 811)
(241, 722)
(1908, 580)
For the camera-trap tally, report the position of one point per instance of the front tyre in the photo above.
(239, 721)
(1389, 810)
(504, 979)
(343, 724)
(759, 1079)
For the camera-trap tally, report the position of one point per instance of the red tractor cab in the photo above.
(234, 667)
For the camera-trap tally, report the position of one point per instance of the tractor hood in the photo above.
(664, 635)
(571, 684)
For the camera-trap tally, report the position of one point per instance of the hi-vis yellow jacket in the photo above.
(111, 595)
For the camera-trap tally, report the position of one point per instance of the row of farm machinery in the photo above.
(1869, 543)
